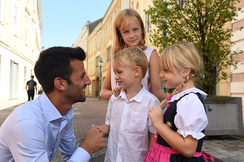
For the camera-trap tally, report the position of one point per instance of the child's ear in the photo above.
(186, 71)
(137, 71)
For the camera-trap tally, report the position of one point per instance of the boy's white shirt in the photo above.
(129, 126)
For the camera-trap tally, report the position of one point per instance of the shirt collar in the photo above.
(51, 111)
(194, 90)
(137, 98)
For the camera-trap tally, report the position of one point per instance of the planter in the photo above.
(224, 115)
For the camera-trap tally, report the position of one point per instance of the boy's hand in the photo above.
(156, 115)
(116, 91)
(99, 128)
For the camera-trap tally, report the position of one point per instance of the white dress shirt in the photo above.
(34, 132)
(129, 126)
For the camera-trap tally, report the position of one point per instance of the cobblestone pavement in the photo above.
(93, 111)
(225, 148)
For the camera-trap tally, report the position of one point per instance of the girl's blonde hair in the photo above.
(178, 57)
(131, 57)
(122, 21)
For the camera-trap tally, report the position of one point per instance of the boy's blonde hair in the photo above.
(131, 57)
(178, 57)
(121, 21)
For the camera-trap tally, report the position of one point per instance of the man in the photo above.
(35, 130)
(31, 84)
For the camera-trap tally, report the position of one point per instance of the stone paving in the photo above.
(93, 111)
(225, 148)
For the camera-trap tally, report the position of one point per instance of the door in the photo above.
(13, 80)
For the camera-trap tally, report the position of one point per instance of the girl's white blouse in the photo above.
(191, 117)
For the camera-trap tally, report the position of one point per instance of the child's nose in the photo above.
(161, 75)
(131, 34)
(116, 77)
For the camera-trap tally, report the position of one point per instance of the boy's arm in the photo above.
(104, 128)
(151, 139)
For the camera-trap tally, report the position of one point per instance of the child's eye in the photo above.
(125, 32)
(118, 72)
(165, 70)
(135, 29)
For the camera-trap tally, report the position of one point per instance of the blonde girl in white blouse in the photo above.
(180, 127)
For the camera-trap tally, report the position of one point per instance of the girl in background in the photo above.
(129, 31)
(180, 126)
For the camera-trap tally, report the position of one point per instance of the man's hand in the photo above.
(93, 140)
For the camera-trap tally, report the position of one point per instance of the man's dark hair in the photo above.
(55, 62)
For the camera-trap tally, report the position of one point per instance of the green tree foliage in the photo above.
(201, 22)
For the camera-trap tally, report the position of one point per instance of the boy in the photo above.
(130, 130)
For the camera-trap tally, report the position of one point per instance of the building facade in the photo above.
(20, 45)
(99, 45)
(82, 42)
(237, 76)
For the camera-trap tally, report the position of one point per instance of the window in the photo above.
(14, 69)
(97, 60)
(95, 43)
(92, 46)
(89, 67)
(34, 4)
(105, 56)
(115, 14)
(147, 26)
(7, 11)
(132, 4)
(125, 4)
(15, 19)
(109, 53)
(33, 36)
(137, 5)
(24, 76)
(105, 32)
(1, 10)
(109, 26)
(26, 30)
